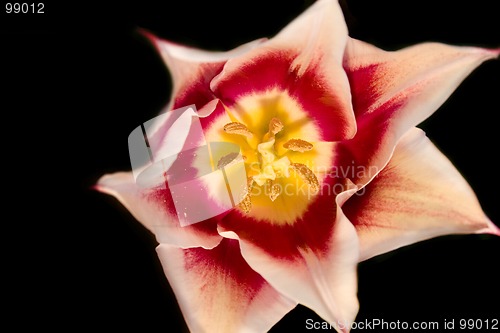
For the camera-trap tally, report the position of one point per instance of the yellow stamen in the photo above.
(237, 128)
(298, 145)
(273, 190)
(270, 165)
(246, 204)
(275, 126)
(307, 175)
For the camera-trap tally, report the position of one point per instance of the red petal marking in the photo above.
(272, 70)
(418, 195)
(394, 91)
(191, 70)
(155, 209)
(163, 198)
(316, 265)
(363, 91)
(365, 155)
(210, 113)
(197, 90)
(262, 73)
(226, 257)
(219, 292)
(311, 232)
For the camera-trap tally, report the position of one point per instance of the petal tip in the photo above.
(100, 184)
(95, 187)
(491, 53)
(344, 330)
(160, 43)
(109, 182)
(146, 33)
(495, 53)
(151, 37)
(491, 228)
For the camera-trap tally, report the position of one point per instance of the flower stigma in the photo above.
(270, 166)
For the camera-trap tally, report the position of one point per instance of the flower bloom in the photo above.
(335, 170)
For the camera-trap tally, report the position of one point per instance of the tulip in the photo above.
(330, 170)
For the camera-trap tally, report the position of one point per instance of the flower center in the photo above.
(269, 167)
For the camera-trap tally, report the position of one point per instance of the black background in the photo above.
(79, 78)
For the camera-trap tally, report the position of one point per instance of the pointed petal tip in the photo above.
(108, 182)
(495, 53)
(492, 229)
(145, 32)
(101, 188)
(489, 228)
(100, 185)
(151, 37)
(161, 43)
(156, 41)
(489, 53)
(344, 329)
(102, 180)
(95, 187)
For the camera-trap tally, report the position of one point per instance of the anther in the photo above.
(298, 145)
(226, 159)
(275, 126)
(246, 204)
(307, 175)
(237, 128)
(273, 190)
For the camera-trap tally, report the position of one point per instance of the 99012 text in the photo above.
(24, 8)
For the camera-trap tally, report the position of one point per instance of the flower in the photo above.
(335, 170)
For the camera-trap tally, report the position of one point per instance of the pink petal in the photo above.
(305, 61)
(419, 195)
(192, 69)
(218, 292)
(394, 91)
(312, 261)
(155, 209)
